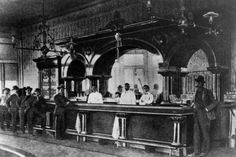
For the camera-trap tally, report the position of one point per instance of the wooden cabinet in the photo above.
(49, 75)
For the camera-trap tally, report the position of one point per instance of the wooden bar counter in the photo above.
(166, 128)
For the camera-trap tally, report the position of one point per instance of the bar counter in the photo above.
(166, 128)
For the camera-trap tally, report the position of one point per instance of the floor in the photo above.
(46, 146)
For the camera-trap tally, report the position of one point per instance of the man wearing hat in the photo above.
(25, 103)
(59, 112)
(38, 110)
(203, 103)
(12, 104)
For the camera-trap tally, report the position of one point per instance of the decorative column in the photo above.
(166, 85)
(177, 141)
(48, 120)
(123, 127)
(177, 128)
(94, 80)
(84, 125)
(172, 81)
(183, 73)
(217, 86)
(104, 84)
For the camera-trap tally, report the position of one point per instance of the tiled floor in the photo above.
(48, 147)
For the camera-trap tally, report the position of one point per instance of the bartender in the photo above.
(95, 96)
(118, 93)
(128, 96)
(147, 97)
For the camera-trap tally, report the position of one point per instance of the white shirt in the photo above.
(95, 97)
(146, 99)
(128, 97)
(4, 100)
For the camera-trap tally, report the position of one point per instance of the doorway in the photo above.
(136, 67)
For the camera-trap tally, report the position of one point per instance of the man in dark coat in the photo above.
(59, 112)
(4, 114)
(203, 103)
(12, 104)
(25, 103)
(38, 110)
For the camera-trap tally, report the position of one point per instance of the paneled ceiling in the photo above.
(23, 12)
(18, 13)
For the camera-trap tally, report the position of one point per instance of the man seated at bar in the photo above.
(95, 96)
(128, 96)
(147, 97)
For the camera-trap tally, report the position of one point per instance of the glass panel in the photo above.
(6, 50)
(54, 82)
(129, 76)
(45, 83)
(139, 78)
(133, 59)
(11, 75)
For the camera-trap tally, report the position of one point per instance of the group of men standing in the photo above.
(25, 105)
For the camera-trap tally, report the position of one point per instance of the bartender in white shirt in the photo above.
(128, 96)
(95, 96)
(147, 97)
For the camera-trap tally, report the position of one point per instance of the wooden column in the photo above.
(123, 127)
(217, 84)
(170, 75)
(84, 125)
(94, 80)
(166, 88)
(177, 141)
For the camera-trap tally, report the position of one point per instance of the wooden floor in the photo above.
(47, 146)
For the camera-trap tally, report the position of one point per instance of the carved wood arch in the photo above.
(108, 53)
(182, 51)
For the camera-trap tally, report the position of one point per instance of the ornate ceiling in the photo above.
(15, 12)
(18, 13)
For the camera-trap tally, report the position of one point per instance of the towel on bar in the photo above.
(78, 124)
(48, 114)
(116, 128)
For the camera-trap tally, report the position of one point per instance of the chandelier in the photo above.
(184, 19)
(43, 41)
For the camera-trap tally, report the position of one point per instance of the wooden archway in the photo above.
(108, 53)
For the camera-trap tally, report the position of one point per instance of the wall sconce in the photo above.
(212, 30)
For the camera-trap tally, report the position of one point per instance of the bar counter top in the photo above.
(163, 109)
